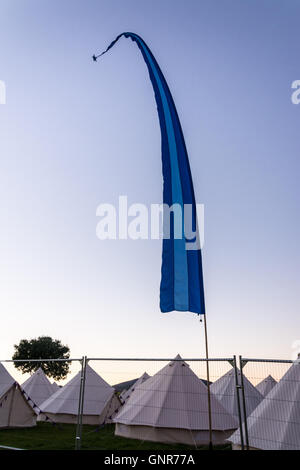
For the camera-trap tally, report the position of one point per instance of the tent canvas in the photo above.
(15, 411)
(126, 393)
(224, 389)
(38, 387)
(266, 385)
(172, 407)
(100, 401)
(275, 423)
(123, 386)
(55, 387)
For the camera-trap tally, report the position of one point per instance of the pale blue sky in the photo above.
(74, 134)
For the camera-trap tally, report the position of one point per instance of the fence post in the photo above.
(244, 403)
(208, 387)
(237, 386)
(80, 404)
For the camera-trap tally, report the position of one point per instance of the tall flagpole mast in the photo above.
(208, 385)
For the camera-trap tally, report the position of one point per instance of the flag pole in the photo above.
(208, 385)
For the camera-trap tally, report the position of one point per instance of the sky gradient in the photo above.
(74, 134)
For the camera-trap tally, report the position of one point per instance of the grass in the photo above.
(46, 436)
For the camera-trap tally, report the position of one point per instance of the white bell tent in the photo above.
(15, 410)
(127, 393)
(224, 389)
(266, 385)
(38, 387)
(55, 387)
(172, 407)
(100, 401)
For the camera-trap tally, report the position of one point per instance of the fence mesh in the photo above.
(274, 424)
(154, 404)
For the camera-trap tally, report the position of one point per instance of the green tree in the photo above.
(43, 347)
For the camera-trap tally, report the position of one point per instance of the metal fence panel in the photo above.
(121, 372)
(274, 424)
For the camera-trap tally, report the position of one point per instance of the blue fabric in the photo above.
(181, 273)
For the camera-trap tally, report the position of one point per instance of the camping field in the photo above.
(47, 436)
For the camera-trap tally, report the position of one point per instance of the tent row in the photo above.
(272, 409)
(39, 400)
(171, 406)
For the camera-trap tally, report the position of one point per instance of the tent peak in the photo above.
(178, 357)
(178, 361)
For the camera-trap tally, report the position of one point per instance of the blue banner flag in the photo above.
(181, 285)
